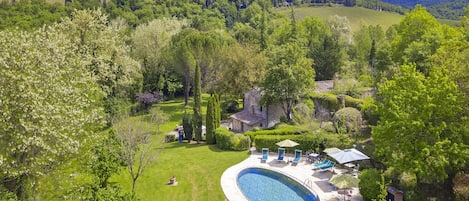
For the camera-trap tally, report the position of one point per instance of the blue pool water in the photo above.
(259, 184)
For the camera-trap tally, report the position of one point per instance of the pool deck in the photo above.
(303, 173)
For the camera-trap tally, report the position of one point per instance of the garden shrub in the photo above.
(227, 140)
(369, 110)
(146, 100)
(230, 106)
(347, 120)
(6, 195)
(169, 138)
(369, 184)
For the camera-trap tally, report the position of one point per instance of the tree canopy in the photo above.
(288, 77)
(421, 129)
(49, 103)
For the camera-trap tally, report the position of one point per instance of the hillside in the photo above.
(445, 9)
(356, 15)
(412, 3)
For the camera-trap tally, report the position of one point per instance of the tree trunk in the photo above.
(134, 182)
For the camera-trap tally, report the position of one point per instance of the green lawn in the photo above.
(356, 15)
(198, 168)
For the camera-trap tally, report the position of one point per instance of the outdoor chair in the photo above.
(281, 154)
(318, 165)
(265, 154)
(327, 167)
(297, 156)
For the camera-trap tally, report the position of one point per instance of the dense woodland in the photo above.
(66, 73)
(447, 9)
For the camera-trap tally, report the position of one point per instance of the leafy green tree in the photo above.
(108, 56)
(312, 29)
(465, 24)
(148, 42)
(190, 48)
(288, 77)
(363, 52)
(49, 103)
(236, 74)
(135, 140)
(229, 11)
(341, 31)
(105, 160)
(197, 118)
(418, 37)
(422, 125)
(327, 59)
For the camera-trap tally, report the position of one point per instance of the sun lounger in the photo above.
(327, 167)
(265, 154)
(297, 156)
(323, 163)
(281, 154)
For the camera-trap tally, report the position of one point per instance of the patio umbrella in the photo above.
(342, 181)
(348, 155)
(332, 150)
(287, 143)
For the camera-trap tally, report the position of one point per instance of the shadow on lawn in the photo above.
(214, 148)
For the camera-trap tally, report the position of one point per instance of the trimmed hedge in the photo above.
(326, 100)
(353, 102)
(227, 140)
(282, 129)
(306, 141)
(329, 101)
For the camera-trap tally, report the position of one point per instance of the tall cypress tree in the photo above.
(210, 121)
(217, 110)
(197, 119)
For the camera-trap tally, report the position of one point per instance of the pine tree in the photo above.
(197, 118)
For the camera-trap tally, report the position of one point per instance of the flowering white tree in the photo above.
(104, 50)
(48, 104)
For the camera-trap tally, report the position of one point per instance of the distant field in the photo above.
(356, 15)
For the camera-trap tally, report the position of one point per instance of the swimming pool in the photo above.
(259, 184)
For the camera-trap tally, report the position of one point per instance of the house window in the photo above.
(252, 109)
(260, 125)
(260, 109)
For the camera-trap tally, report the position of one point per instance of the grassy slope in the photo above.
(355, 15)
(198, 168)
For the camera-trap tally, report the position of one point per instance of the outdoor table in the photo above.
(350, 165)
(314, 156)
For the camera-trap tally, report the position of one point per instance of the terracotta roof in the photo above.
(247, 118)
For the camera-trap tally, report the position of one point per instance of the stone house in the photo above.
(254, 114)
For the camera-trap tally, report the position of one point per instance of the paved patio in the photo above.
(303, 173)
